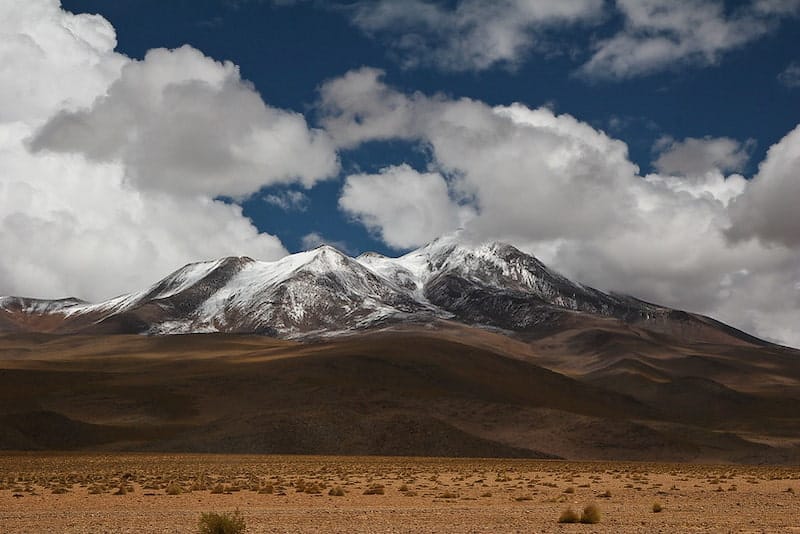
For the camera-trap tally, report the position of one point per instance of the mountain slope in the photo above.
(451, 390)
(323, 292)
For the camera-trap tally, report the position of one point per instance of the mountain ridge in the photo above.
(323, 292)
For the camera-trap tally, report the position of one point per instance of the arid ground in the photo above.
(49, 492)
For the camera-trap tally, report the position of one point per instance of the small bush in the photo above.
(570, 489)
(605, 495)
(569, 516)
(312, 488)
(657, 507)
(336, 491)
(266, 489)
(214, 523)
(174, 489)
(591, 514)
(375, 489)
(218, 489)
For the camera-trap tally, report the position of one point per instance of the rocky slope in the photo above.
(324, 292)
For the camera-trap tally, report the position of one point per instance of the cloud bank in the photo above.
(692, 236)
(111, 166)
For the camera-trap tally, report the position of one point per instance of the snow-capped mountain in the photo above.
(324, 292)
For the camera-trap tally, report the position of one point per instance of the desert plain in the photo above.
(80, 493)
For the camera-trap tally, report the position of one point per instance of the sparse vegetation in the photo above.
(214, 523)
(173, 489)
(657, 507)
(336, 491)
(569, 516)
(375, 489)
(591, 514)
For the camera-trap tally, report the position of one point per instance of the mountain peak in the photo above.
(325, 292)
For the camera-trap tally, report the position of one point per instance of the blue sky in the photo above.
(287, 51)
(650, 147)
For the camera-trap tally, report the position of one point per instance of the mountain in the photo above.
(454, 349)
(324, 292)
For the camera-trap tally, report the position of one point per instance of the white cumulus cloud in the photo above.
(405, 207)
(694, 156)
(768, 210)
(111, 166)
(184, 123)
(561, 189)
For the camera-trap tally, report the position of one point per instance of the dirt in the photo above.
(77, 493)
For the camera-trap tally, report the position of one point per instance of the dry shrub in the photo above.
(591, 514)
(375, 489)
(657, 507)
(569, 516)
(173, 489)
(336, 491)
(569, 489)
(214, 523)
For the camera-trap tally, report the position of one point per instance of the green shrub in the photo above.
(214, 523)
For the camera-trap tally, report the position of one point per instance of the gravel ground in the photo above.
(74, 493)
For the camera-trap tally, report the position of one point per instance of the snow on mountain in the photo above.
(324, 292)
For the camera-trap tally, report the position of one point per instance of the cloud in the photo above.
(661, 35)
(768, 209)
(692, 156)
(405, 207)
(559, 188)
(51, 59)
(656, 35)
(790, 76)
(313, 240)
(77, 228)
(288, 200)
(184, 123)
(470, 35)
(112, 166)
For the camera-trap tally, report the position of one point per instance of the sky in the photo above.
(649, 147)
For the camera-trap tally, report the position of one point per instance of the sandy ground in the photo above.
(74, 493)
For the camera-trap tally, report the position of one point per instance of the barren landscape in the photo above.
(596, 390)
(80, 493)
